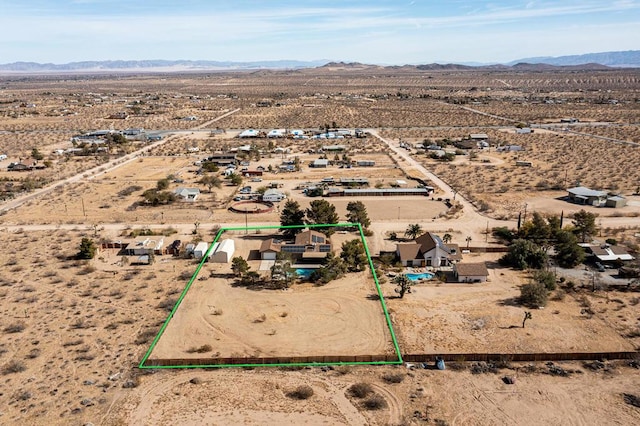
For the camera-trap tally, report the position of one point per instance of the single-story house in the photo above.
(273, 195)
(428, 250)
(609, 253)
(143, 245)
(478, 136)
(249, 133)
(333, 147)
(187, 194)
(524, 131)
(583, 195)
(223, 251)
(320, 163)
(223, 159)
(307, 244)
(470, 272)
(276, 133)
(510, 148)
(253, 173)
(296, 132)
(365, 163)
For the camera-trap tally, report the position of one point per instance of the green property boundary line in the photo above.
(299, 364)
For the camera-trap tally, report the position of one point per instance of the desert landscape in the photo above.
(74, 330)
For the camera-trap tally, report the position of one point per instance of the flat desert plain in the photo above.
(73, 331)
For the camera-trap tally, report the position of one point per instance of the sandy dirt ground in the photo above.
(461, 318)
(340, 318)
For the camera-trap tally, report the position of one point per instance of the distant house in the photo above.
(366, 163)
(334, 148)
(249, 133)
(428, 250)
(187, 194)
(587, 196)
(273, 195)
(478, 136)
(510, 148)
(470, 272)
(223, 159)
(143, 245)
(308, 244)
(320, 163)
(276, 133)
(609, 253)
(252, 173)
(524, 131)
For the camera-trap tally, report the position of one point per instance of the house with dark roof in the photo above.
(428, 250)
(308, 244)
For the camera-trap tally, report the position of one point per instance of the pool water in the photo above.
(304, 272)
(417, 277)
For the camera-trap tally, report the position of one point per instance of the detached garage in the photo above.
(471, 272)
(223, 252)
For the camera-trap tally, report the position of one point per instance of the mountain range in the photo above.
(594, 61)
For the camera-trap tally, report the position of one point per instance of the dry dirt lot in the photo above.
(339, 318)
(463, 318)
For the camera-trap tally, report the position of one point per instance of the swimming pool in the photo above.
(421, 276)
(304, 272)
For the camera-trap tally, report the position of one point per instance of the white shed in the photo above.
(273, 195)
(200, 250)
(223, 252)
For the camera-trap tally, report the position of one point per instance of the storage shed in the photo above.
(223, 252)
(200, 250)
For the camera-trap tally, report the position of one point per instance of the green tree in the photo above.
(568, 253)
(251, 278)
(88, 249)
(282, 273)
(534, 295)
(291, 215)
(546, 278)
(210, 181)
(322, 212)
(446, 238)
(403, 285)
(332, 269)
(235, 179)
(584, 225)
(36, 155)
(413, 230)
(357, 213)
(537, 230)
(239, 266)
(210, 166)
(155, 197)
(162, 184)
(353, 255)
(524, 254)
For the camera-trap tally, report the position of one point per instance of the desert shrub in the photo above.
(14, 366)
(16, 327)
(632, 399)
(375, 402)
(168, 303)
(301, 392)
(393, 378)
(200, 350)
(145, 336)
(360, 390)
(533, 295)
(546, 278)
(88, 249)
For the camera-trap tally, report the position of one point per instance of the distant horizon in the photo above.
(381, 32)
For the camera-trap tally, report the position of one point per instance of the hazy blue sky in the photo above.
(372, 31)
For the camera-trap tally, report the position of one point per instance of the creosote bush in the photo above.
(301, 392)
(360, 390)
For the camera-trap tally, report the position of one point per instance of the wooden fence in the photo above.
(413, 358)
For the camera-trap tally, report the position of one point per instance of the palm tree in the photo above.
(446, 238)
(413, 230)
(468, 240)
(403, 285)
